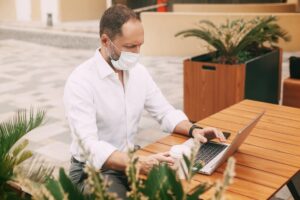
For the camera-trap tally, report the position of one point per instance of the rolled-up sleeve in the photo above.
(81, 114)
(159, 108)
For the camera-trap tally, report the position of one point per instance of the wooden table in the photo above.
(268, 158)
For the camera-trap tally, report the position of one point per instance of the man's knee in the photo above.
(77, 175)
(118, 182)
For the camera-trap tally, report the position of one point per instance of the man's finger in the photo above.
(153, 161)
(220, 136)
(167, 153)
(201, 138)
(223, 137)
(162, 158)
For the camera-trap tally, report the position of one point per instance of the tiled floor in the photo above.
(34, 75)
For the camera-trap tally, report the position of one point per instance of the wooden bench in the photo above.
(291, 92)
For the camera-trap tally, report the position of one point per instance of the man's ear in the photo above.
(104, 40)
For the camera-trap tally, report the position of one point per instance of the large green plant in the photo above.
(12, 154)
(238, 40)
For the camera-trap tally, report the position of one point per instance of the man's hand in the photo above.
(202, 135)
(147, 162)
(208, 133)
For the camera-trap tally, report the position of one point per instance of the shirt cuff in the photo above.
(99, 152)
(171, 120)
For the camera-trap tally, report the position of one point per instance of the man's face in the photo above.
(131, 39)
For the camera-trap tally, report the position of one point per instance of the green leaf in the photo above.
(162, 183)
(174, 183)
(185, 173)
(200, 189)
(55, 189)
(20, 147)
(68, 186)
(186, 161)
(24, 156)
(151, 185)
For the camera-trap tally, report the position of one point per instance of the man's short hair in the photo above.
(113, 19)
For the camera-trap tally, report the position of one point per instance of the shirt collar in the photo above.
(102, 66)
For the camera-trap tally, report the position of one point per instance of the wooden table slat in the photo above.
(248, 112)
(235, 126)
(279, 157)
(237, 117)
(269, 106)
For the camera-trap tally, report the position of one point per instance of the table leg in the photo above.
(294, 185)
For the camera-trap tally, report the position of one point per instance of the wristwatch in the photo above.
(192, 128)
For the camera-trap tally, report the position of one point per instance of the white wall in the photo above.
(160, 30)
(23, 10)
(108, 3)
(50, 6)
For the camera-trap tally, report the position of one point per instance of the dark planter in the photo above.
(134, 4)
(227, 1)
(263, 77)
(211, 87)
(295, 67)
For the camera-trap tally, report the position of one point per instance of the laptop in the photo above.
(213, 154)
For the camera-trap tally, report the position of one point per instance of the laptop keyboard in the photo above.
(209, 151)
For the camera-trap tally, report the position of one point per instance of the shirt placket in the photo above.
(123, 91)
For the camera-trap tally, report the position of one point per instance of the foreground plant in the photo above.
(229, 174)
(62, 188)
(239, 40)
(12, 154)
(161, 183)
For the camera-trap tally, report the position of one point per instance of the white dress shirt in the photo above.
(104, 115)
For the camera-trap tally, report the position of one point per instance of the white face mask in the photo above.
(126, 61)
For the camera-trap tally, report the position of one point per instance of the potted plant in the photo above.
(13, 152)
(244, 63)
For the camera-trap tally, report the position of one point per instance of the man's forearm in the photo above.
(183, 127)
(117, 161)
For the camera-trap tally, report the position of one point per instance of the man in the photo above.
(104, 100)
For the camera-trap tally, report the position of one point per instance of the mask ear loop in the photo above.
(110, 54)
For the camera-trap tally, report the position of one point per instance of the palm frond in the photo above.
(235, 36)
(10, 132)
(266, 30)
(36, 169)
(205, 35)
(211, 26)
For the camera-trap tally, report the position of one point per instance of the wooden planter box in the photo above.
(211, 87)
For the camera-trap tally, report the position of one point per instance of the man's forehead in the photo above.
(132, 32)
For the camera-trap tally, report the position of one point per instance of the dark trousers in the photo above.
(117, 179)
